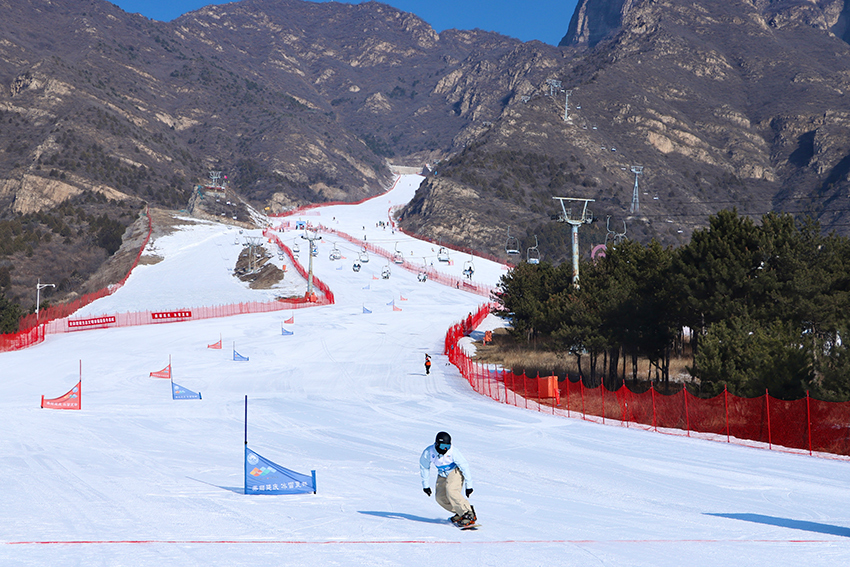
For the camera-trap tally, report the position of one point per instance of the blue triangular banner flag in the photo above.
(391, 302)
(238, 357)
(366, 310)
(366, 286)
(285, 332)
(265, 477)
(181, 393)
(339, 268)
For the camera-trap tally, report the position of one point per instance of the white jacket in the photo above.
(444, 463)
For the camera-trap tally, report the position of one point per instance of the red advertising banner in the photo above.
(160, 315)
(91, 322)
(164, 373)
(71, 400)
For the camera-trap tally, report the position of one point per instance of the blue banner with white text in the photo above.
(265, 477)
(181, 393)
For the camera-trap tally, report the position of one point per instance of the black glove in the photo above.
(468, 492)
(427, 491)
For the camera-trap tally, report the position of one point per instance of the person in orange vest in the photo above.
(427, 364)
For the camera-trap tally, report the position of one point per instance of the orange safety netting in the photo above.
(806, 425)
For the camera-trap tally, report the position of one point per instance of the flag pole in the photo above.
(245, 451)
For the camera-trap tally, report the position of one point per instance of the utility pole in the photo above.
(311, 239)
(637, 170)
(575, 220)
(38, 287)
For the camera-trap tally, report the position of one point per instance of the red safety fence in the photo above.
(58, 318)
(804, 425)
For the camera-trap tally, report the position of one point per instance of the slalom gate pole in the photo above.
(245, 450)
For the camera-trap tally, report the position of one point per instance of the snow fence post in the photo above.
(726, 403)
(767, 406)
(809, 420)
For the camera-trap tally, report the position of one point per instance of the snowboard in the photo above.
(472, 527)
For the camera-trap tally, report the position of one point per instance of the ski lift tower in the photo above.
(567, 105)
(252, 242)
(554, 85)
(575, 219)
(215, 177)
(312, 239)
(637, 170)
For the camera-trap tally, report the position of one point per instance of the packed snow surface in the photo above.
(136, 478)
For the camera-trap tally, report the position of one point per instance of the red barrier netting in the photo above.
(58, 319)
(806, 425)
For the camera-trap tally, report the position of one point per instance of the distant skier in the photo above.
(452, 472)
(427, 364)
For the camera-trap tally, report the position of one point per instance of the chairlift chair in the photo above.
(512, 244)
(398, 257)
(385, 272)
(363, 256)
(356, 266)
(532, 255)
(335, 254)
(422, 276)
(443, 254)
(468, 268)
(296, 249)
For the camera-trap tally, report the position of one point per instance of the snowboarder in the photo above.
(452, 472)
(427, 364)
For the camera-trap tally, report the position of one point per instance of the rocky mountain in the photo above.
(295, 102)
(738, 103)
(723, 104)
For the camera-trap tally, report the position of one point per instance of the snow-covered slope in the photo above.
(135, 478)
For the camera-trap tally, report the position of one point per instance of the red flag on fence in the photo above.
(215, 345)
(71, 400)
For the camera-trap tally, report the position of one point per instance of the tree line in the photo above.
(765, 306)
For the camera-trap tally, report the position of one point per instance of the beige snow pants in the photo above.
(449, 493)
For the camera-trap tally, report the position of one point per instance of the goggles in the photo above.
(443, 447)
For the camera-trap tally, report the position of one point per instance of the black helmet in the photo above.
(442, 442)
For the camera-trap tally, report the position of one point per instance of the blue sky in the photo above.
(544, 20)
